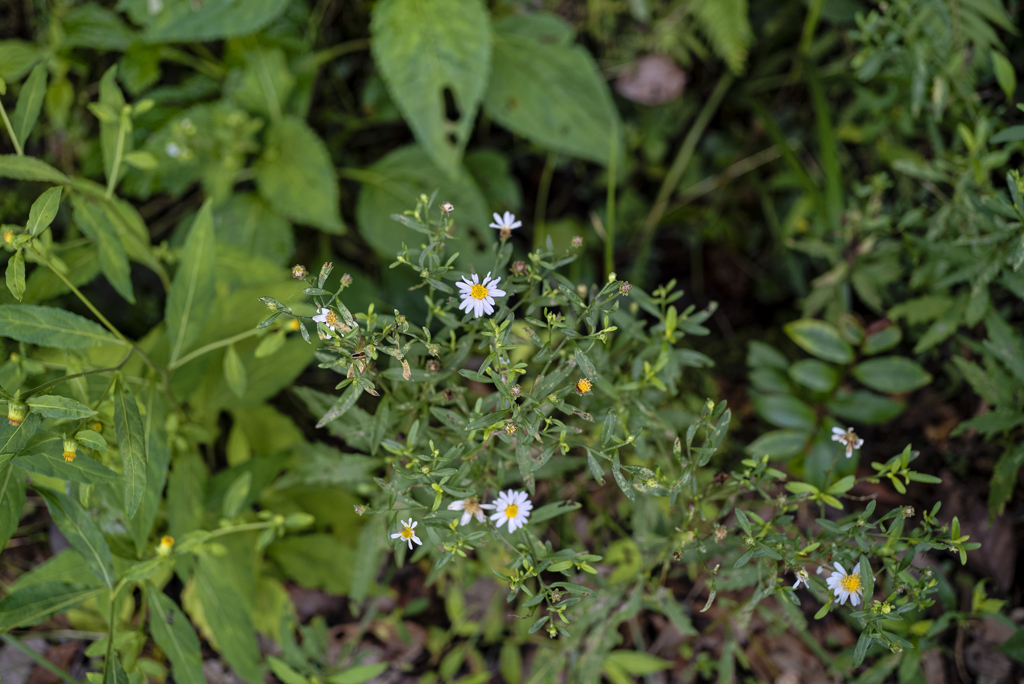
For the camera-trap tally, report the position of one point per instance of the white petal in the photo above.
(840, 569)
(479, 516)
(499, 514)
(497, 217)
(410, 544)
(457, 505)
(849, 451)
(396, 535)
(489, 507)
(856, 568)
(837, 438)
(838, 431)
(516, 224)
(494, 292)
(466, 517)
(476, 279)
(859, 444)
(414, 524)
(854, 600)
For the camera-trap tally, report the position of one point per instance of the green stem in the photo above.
(115, 168)
(539, 231)
(39, 660)
(211, 69)
(675, 174)
(110, 629)
(318, 59)
(10, 131)
(210, 347)
(609, 243)
(54, 383)
(248, 527)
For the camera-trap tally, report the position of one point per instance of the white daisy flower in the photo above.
(512, 507)
(846, 586)
(478, 297)
(470, 507)
(506, 222)
(330, 319)
(847, 437)
(801, 578)
(408, 532)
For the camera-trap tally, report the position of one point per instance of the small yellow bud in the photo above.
(299, 271)
(166, 543)
(16, 412)
(70, 449)
(9, 237)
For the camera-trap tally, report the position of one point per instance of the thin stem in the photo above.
(10, 131)
(39, 660)
(675, 173)
(539, 231)
(54, 383)
(210, 347)
(110, 629)
(324, 56)
(609, 243)
(115, 168)
(211, 69)
(240, 528)
(78, 293)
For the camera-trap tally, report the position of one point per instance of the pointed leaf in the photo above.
(30, 101)
(44, 455)
(191, 297)
(174, 635)
(234, 371)
(16, 275)
(131, 441)
(32, 605)
(55, 406)
(31, 169)
(92, 221)
(820, 339)
(228, 617)
(82, 533)
(43, 211)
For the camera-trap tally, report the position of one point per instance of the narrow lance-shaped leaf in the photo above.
(43, 211)
(228, 617)
(30, 101)
(130, 440)
(16, 275)
(174, 635)
(12, 500)
(51, 327)
(192, 293)
(81, 532)
(344, 403)
(30, 168)
(113, 259)
(33, 604)
(55, 406)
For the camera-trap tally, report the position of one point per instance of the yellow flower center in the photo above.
(478, 291)
(583, 385)
(69, 456)
(511, 511)
(332, 318)
(851, 583)
(9, 237)
(471, 506)
(167, 540)
(406, 532)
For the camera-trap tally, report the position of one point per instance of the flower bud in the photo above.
(70, 449)
(908, 511)
(360, 509)
(16, 412)
(625, 288)
(515, 390)
(299, 271)
(510, 428)
(9, 237)
(519, 267)
(577, 241)
(164, 549)
(346, 280)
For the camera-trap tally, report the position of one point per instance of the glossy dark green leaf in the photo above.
(132, 444)
(82, 533)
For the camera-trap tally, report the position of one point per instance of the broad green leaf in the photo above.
(779, 443)
(883, 340)
(1009, 134)
(236, 495)
(16, 275)
(115, 672)
(43, 211)
(226, 613)
(82, 533)
(360, 674)
(191, 298)
(30, 101)
(30, 169)
(813, 374)
(13, 438)
(92, 221)
(265, 84)
(865, 407)
(246, 221)
(295, 175)
(51, 327)
(892, 374)
(424, 48)
(343, 404)
(317, 561)
(17, 57)
(820, 339)
(1006, 77)
(784, 411)
(761, 354)
(34, 604)
(12, 500)
(174, 635)
(92, 26)
(552, 95)
(44, 454)
(638, 663)
(186, 485)
(158, 457)
(186, 22)
(284, 672)
(55, 406)
(91, 439)
(132, 443)
(234, 371)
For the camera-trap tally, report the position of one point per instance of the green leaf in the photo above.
(51, 327)
(131, 441)
(234, 371)
(867, 578)
(1014, 646)
(82, 533)
(112, 97)
(236, 495)
(32, 605)
(191, 297)
(91, 439)
(865, 407)
(217, 590)
(779, 444)
(295, 175)
(842, 485)
(16, 275)
(316, 561)
(638, 663)
(892, 374)
(424, 48)
(30, 102)
(92, 221)
(343, 404)
(360, 674)
(1004, 479)
(17, 57)
(185, 22)
(727, 26)
(55, 406)
(13, 438)
(92, 26)
(1009, 134)
(158, 456)
(820, 339)
(44, 454)
(12, 500)
(861, 649)
(883, 340)
(1006, 77)
(115, 673)
(585, 365)
(30, 169)
(284, 672)
(246, 221)
(174, 635)
(813, 374)
(552, 95)
(43, 211)
(761, 354)
(784, 411)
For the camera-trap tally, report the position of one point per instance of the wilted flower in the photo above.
(408, 533)
(447, 207)
(512, 507)
(582, 386)
(577, 241)
(515, 390)
(346, 280)
(801, 578)
(846, 586)
(510, 428)
(470, 508)
(847, 437)
(519, 267)
(908, 511)
(477, 297)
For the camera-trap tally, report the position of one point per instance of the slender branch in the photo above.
(78, 293)
(39, 660)
(10, 131)
(213, 345)
(54, 383)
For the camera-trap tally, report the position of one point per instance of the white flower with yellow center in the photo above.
(512, 507)
(846, 586)
(506, 222)
(478, 297)
(408, 532)
(847, 437)
(470, 508)
(801, 578)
